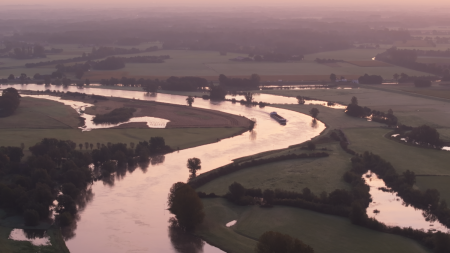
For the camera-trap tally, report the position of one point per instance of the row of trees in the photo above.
(9, 102)
(372, 79)
(99, 53)
(354, 110)
(422, 135)
(408, 58)
(30, 187)
(115, 116)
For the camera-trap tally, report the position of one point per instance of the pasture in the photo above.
(325, 233)
(210, 64)
(318, 174)
(411, 109)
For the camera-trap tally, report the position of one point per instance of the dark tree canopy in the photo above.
(9, 102)
(185, 204)
(271, 242)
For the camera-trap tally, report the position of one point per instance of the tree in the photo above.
(248, 97)
(333, 77)
(269, 196)
(422, 83)
(194, 164)
(11, 77)
(190, 100)
(310, 145)
(86, 145)
(185, 204)
(354, 101)
(396, 76)
(314, 112)
(255, 79)
(87, 82)
(31, 217)
(80, 146)
(237, 190)
(91, 146)
(301, 100)
(271, 242)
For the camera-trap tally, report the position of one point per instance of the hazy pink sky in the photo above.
(227, 2)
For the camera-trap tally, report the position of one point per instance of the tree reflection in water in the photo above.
(252, 135)
(182, 241)
(314, 123)
(34, 233)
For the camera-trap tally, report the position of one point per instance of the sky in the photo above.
(131, 3)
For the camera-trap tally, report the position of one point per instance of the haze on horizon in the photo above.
(234, 3)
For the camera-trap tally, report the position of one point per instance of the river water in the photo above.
(131, 216)
(129, 213)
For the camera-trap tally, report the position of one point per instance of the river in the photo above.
(131, 216)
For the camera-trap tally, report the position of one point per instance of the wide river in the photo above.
(131, 216)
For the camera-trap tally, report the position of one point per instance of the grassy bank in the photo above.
(34, 113)
(325, 233)
(10, 246)
(410, 109)
(318, 174)
(176, 137)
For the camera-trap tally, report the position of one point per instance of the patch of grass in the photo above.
(41, 113)
(410, 109)
(370, 63)
(403, 157)
(11, 246)
(440, 183)
(439, 93)
(325, 233)
(175, 137)
(318, 174)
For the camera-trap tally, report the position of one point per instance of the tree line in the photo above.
(99, 53)
(9, 102)
(354, 110)
(56, 170)
(424, 135)
(115, 116)
(408, 58)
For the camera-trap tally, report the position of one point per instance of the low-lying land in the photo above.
(325, 233)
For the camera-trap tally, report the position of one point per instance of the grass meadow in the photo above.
(318, 174)
(210, 64)
(325, 233)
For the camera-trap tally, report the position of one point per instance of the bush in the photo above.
(422, 83)
(65, 219)
(272, 241)
(115, 116)
(185, 204)
(31, 217)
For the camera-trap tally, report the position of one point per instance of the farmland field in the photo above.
(210, 64)
(318, 174)
(325, 233)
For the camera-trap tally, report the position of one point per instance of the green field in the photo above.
(411, 109)
(318, 174)
(10, 246)
(403, 157)
(34, 113)
(325, 233)
(211, 64)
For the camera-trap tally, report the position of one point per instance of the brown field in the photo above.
(370, 63)
(97, 75)
(179, 115)
(413, 43)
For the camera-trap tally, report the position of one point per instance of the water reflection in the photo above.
(182, 241)
(132, 215)
(390, 209)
